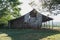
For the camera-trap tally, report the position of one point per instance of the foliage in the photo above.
(51, 4)
(56, 1)
(8, 8)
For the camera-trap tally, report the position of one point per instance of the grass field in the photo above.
(29, 34)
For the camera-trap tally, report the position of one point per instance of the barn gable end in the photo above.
(24, 21)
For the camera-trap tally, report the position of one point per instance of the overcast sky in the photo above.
(27, 8)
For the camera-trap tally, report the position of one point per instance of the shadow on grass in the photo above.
(28, 34)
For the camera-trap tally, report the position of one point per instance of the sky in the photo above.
(25, 8)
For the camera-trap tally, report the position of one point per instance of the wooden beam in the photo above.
(49, 24)
(52, 24)
(9, 25)
(46, 24)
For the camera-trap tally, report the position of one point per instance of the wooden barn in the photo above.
(33, 19)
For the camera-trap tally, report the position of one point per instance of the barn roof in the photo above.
(44, 18)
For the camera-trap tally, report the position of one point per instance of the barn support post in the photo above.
(9, 24)
(43, 25)
(40, 26)
(49, 24)
(52, 24)
(46, 24)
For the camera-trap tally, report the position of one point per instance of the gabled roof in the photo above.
(44, 18)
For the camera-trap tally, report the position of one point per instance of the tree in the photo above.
(47, 6)
(9, 8)
(52, 5)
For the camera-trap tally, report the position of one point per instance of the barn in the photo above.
(33, 19)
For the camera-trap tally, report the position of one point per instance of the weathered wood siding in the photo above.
(26, 22)
(33, 21)
(17, 23)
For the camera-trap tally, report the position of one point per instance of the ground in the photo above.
(29, 34)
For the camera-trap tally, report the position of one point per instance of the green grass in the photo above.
(27, 34)
(52, 37)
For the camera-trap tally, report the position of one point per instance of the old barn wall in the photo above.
(26, 21)
(17, 23)
(33, 21)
